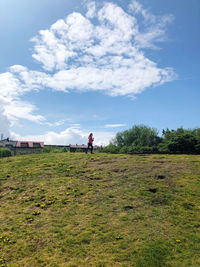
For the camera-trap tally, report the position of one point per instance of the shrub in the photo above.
(47, 149)
(52, 149)
(180, 141)
(133, 149)
(79, 150)
(142, 149)
(163, 147)
(197, 148)
(146, 149)
(110, 149)
(64, 149)
(56, 150)
(124, 149)
(5, 152)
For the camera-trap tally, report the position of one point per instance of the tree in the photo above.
(179, 141)
(143, 139)
(138, 135)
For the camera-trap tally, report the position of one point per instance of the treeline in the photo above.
(144, 139)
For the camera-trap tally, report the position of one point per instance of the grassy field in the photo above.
(62, 209)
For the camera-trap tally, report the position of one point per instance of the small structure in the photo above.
(22, 147)
(7, 143)
(29, 144)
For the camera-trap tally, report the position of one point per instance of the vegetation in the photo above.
(143, 139)
(73, 209)
(54, 149)
(5, 152)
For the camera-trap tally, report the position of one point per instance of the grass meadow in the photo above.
(101, 210)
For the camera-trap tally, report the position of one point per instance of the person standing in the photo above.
(90, 143)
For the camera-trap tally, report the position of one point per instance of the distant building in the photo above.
(29, 144)
(7, 143)
(21, 147)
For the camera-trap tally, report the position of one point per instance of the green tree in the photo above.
(138, 135)
(180, 141)
(143, 139)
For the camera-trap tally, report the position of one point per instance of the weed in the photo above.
(36, 213)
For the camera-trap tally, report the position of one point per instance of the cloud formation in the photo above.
(114, 125)
(102, 50)
(13, 85)
(4, 124)
(154, 27)
(106, 55)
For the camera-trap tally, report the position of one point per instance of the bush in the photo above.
(5, 152)
(147, 149)
(64, 149)
(54, 149)
(142, 149)
(47, 149)
(79, 150)
(180, 141)
(124, 150)
(163, 147)
(133, 149)
(197, 148)
(110, 149)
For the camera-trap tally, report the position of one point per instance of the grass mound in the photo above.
(73, 209)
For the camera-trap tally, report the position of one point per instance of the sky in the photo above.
(68, 68)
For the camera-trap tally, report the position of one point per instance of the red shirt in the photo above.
(90, 139)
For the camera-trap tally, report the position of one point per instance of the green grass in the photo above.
(73, 209)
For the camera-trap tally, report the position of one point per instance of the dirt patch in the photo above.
(153, 190)
(128, 207)
(161, 177)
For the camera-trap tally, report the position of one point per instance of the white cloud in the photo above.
(103, 137)
(22, 110)
(15, 84)
(114, 125)
(62, 42)
(91, 10)
(104, 56)
(154, 26)
(4, 124)
(55, 124)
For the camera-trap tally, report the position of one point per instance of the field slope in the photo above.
(62, 209)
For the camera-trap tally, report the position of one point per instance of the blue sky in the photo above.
(68, 68)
